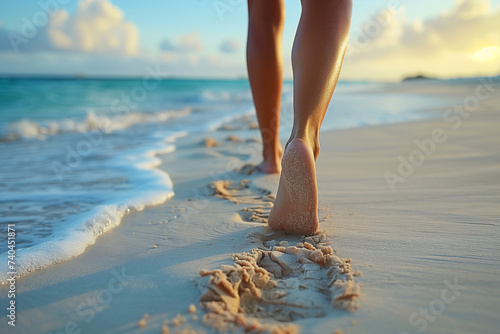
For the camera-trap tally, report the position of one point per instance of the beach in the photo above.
(414, 205)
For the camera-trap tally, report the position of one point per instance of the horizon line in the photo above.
(78, 76)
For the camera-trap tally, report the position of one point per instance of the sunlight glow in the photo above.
(486, 54)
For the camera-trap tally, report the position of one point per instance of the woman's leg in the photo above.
(318, 51)
(265, 71)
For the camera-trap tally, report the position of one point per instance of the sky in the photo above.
(389, 39)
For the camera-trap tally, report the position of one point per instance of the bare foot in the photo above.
(269, 168)
(271, 163)
(296, 207)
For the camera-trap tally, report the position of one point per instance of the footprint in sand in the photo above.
(259, 201)
(284, 278)
(248, 169)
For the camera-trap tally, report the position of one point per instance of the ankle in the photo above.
(272, 152)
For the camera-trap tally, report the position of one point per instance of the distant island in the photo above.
(417, 77)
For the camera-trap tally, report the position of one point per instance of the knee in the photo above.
(267, 12)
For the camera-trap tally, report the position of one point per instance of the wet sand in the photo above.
(423, 255)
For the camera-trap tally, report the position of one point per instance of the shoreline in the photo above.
(438, 231)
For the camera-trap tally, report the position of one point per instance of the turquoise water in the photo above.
(79, 154)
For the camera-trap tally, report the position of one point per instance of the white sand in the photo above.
(428, 252)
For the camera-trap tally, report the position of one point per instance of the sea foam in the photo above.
(27, 128)
(149, 187)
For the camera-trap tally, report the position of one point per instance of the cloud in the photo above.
(229, 46)
(388, 46)
(97, 27)
(184, 43)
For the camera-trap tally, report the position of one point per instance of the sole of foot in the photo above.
(295, 210)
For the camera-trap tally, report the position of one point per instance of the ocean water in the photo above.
(77, 155)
